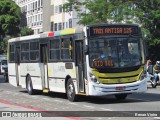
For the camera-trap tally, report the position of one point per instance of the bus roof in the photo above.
(49, 34)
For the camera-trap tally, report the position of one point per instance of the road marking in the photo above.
(7, 92)
(72, 103)
(99, 118)
(46, 99)
(58, 101)
(32, 97)
(106, 109)
(89, 107)
(140, 99)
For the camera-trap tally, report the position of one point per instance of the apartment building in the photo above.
(46, 15)
(55, 18)
(32, 14)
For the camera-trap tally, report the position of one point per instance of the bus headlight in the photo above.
(143, 75)
(93, 78)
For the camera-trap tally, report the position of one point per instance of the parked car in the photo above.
(3, 66)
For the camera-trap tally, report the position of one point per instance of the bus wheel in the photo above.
(71, 95)
(121, 96)
(29, 86)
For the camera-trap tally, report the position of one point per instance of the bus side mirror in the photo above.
(86, 50)
(150, 69)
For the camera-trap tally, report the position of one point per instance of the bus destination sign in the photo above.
(113, 30)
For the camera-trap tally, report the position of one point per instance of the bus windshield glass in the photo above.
(114, 52)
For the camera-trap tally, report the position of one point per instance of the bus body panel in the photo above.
(12, 74)
(34, 70)
(101, 89)
(57, 74)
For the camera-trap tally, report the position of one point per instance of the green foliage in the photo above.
(3, 44)
(9, 18)
(26, 31)
(143, 12)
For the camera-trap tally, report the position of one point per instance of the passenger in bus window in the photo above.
(114, 57)
(95, 49)
(113, 52)
(37, 56)
(128, 56)
(106, 52)
(24, 58)
(70, 49)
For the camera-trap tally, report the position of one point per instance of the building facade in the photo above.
(46, 15)
(32, 14)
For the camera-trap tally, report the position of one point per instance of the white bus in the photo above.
(73, 61)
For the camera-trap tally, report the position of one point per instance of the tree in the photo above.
(3, 44)
(26, 31)
(98, 11)
(143, 12)
(148, 13)
(9, 18)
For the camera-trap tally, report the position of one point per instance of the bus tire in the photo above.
(121, 96)
(29, 86)
(71, 94)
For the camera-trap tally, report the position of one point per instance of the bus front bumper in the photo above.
(104, 89)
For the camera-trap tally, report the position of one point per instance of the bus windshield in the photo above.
(114, 52)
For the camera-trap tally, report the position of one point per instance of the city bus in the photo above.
(95, 60)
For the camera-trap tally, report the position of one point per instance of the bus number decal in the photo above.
(108, 63)
(98, 63)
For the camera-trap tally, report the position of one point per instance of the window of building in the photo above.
(33, 6)
(35, 18)
(59, 26)
(60, 8)
(63, 26)
(66, 24)
(41, 17)
(55, 27)
(70, 23)
(52, 26)
(39, 3)
(70, 8)
(36, 5)
(56, 9)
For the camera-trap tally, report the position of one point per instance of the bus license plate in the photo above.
(120, 88)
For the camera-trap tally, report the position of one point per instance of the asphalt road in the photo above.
(136, 106)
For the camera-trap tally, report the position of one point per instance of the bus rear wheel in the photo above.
(121, 96)
(70, 90)
(30, 86)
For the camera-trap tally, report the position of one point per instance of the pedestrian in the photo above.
(149, 62)
(156, 69)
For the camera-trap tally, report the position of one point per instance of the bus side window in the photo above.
(70, 48)
(55, 49)
(66, 48)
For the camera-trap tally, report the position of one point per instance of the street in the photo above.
(52, 102)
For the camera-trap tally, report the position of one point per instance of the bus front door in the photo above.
(44, 69)
(80, 64)
(17, 64)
